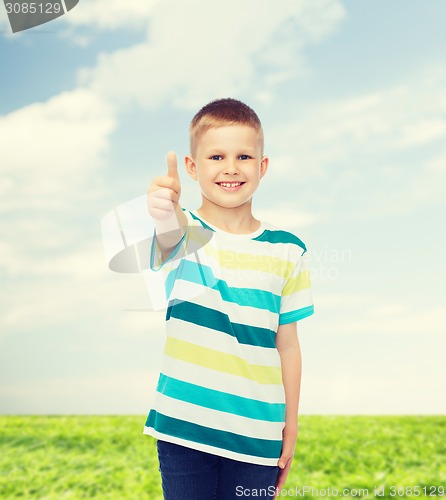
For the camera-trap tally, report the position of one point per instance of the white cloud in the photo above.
(421, 132)
(51, 155)
(437, 165)
(141, 323)
(197, 51)
(51, 289)
(71, 285)
(405, 321)
(377, 356)
(365, 313)
(338, 300)
(428, 187)
(52, 149)
(392, 119)
(111, 14)
(360, 148)
(373, 389)
(120, 393)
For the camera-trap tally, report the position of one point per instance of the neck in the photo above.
(232, 220)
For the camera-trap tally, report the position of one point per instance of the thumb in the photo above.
(172, 165)
(283, 460)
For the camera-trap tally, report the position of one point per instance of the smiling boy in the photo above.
(226, 407)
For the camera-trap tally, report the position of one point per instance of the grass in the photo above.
(108, 457)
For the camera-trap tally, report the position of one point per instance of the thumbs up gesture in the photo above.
(163, 195)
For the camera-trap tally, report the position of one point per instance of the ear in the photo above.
(264, 166)
(191, 167)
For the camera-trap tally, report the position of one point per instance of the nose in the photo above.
(231, 167)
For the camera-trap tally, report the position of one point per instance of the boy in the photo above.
(226, 407)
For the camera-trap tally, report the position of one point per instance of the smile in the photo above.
(230, 186)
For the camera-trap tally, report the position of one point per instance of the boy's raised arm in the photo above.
(163, 197)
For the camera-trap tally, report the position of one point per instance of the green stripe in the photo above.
(203, 275)
(216, 320)
(264, 448)
(221, 401)
(280, 236)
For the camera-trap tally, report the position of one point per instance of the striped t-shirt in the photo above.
(220, 388)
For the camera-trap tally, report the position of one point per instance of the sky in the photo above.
(352, 98)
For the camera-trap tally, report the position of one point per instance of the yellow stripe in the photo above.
(299, 282)
(244, 261)
(220, 361)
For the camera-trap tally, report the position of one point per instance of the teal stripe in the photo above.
(221, 401)
(203, 275)
(216, 320)
(291, 316)
(280, 236)
(171, 256)
(263, 448)
(201, 222)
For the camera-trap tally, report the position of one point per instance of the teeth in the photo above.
(230, 184)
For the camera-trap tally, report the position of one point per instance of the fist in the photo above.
(163, 195)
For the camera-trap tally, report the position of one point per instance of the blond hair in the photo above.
(220, 113)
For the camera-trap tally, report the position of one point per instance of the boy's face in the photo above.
(230, 154)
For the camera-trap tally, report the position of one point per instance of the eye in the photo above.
(216, 157)
(245, 157)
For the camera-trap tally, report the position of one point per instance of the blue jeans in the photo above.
(196, 475)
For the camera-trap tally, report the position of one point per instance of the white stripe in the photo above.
(210, 449)
(217, 419)
(297, 300)
(224, 382)
(207, 297)
(222, 342)
(244, 278)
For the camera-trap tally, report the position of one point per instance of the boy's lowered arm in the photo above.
(287, 343)
(163, 198)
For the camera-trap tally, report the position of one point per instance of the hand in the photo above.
(289, 435)
(163, 195)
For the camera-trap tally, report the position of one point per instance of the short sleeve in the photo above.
(297, 300)
(195, 237)
(177, 270)
(156, 256)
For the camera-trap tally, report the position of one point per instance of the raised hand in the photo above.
(163, 195)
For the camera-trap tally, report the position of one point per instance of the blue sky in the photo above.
(353, 101)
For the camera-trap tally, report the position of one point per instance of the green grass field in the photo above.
(108, 457)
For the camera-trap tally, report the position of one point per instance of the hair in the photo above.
(220, 113)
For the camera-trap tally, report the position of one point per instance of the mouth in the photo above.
(230, 186)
